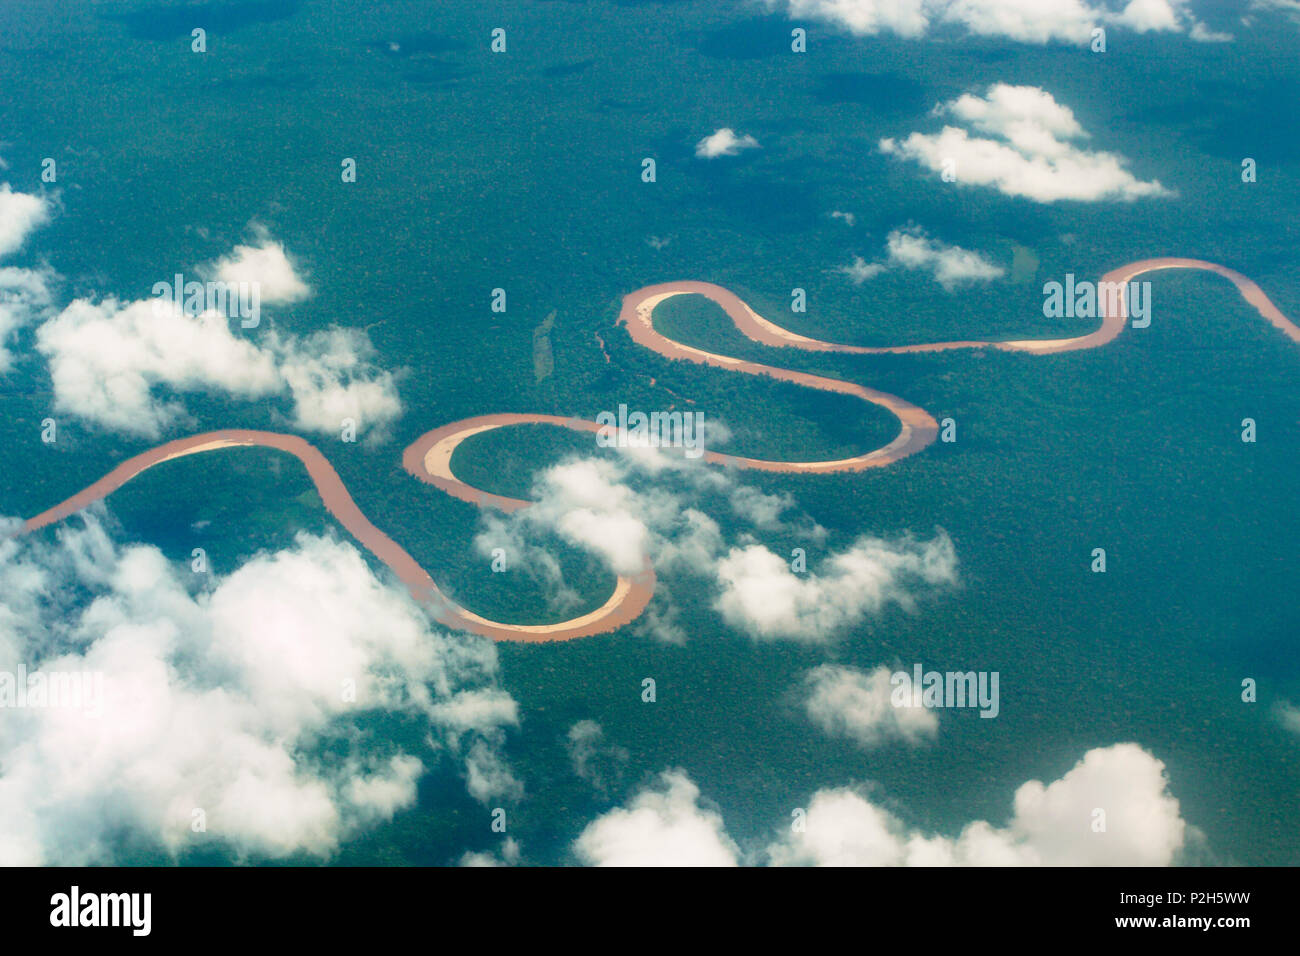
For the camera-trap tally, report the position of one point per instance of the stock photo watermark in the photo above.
(625, 429)
(53, 690)
(946, 689)
(234, 300)
(1085, 299)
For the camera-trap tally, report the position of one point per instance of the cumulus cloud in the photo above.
(592, 503)
(20, 215)
(488, 775)
(331, 377)
(25, 294)
(508, 855)
(471, 720)
(1113, 808)
(607, 508)
(119, 364)
(1149, 16)
(1031, 149)
(860, 270)
(25, 298)
(759, 508)
(267, 265)
(1051, 825)
(241, 698)
(106, 359)
(910, 248)
(585, 501)
(662, 826)
(764, 597)
(724, 142)
(1203, 34)
(1026, 21)
(951, 266)
(847, 702)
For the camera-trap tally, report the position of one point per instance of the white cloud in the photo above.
(910, 248)
(762, 595)
(266, 265)
(909, 18)
(1051, 825)
(585, 501)
(592, 504)
(499, 533)
(25, 297)
(593, 759)
(20, 215)
(847, 702)
(951, 266)
(487, 774)
(120, 364)
(1026, 21)
(1288, 714)
(25, 294)
(1147, 16)
(508, 855)
(240, 697)
(759, 508)
(1286, 6)
(106, 359)
(1203, 34)
(117, 363)
(476, 710)
(1032, 152)
(331, 377)
(724, 142)
(603, 507)
(665, 826)
(860, 270)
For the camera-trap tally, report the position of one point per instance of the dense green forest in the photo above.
(525, 175)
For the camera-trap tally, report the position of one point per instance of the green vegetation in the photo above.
(477, 173)
(543, 357)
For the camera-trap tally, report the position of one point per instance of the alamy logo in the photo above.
(934, 689)
(1090, 300)
(74, 908)
(74, 690)
(234, 300)
(683, 430)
